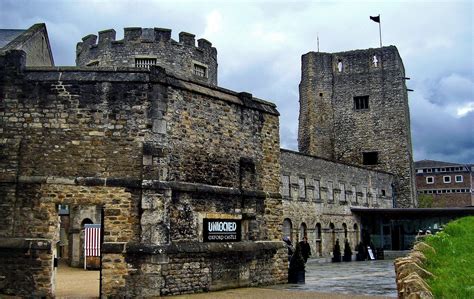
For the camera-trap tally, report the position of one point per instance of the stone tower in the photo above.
(143, 47)
(354, 108)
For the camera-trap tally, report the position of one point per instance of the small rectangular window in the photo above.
(430, 180)
(317, 195)
(361, 103)
(200, 70)
(370, 158)
(302, 187)
(447, 179)
(330, 191)
(285, 181)
(459, 179)
(145, 62)
(343, 192)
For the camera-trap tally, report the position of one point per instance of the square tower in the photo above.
(354, 108)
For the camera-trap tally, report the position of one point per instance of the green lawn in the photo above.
(453, 262)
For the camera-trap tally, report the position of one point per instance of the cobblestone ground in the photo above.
(371, 278)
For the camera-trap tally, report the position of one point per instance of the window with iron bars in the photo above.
(200, 70)
(145, 62)
(361, 103)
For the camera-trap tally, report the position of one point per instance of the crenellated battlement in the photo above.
(141, 47)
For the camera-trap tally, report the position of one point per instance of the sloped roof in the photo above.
(432, 163)
(8, 35)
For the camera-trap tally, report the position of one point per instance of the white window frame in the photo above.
(432, 179)
(459, 176)
(447, 177)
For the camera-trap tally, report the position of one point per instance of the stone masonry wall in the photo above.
(320, 191)
(158, 153)
(330, 119)
(186, 267)
(152, 43)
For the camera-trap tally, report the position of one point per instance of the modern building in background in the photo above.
(444, 184)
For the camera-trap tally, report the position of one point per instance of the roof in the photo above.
(414, 212)
(8, 35)
(432, 163)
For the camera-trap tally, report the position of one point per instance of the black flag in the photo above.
(376, 19)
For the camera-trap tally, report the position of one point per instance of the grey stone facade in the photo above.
(318, 195)
(144, 46)
(33, 41)
(355, 104)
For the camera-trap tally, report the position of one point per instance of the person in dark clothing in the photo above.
(297, 265)
(305, 249)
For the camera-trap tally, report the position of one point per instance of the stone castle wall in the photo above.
(320, 192)
(332, 127)
(150, 43)
(158, 154)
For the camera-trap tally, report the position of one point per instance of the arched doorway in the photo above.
(319, 240)
(287, 228)
(303, 231)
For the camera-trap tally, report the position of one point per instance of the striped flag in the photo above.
(92, 239)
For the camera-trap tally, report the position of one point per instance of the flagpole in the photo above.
(380, 31)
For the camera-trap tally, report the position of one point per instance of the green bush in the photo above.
(453, 262)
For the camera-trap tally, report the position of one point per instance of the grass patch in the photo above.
(453, 262)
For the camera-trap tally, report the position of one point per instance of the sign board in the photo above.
(371, 254)
(222, 230)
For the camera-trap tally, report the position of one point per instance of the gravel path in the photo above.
(76, 283)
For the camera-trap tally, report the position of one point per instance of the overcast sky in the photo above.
(260, 44)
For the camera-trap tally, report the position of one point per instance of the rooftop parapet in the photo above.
(148, 46)
(137, 34)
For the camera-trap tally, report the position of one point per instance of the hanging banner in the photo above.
(92, 240)
(222, 230)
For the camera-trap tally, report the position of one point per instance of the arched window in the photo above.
(339, 65)
(86, 221)
(375, 60)
(344, 226)
(303, 231)
(287, 228)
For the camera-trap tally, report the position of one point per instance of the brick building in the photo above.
(445, 184)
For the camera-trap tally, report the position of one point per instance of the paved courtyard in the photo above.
(373, 278)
